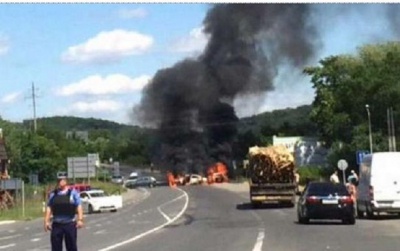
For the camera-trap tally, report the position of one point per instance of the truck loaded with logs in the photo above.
(272, 175)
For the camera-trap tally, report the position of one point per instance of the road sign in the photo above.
(360, 155)
(342, 164)
(11, 184)
(82, 167)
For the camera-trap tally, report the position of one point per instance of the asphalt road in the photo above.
(220, 220)
(206, 218)
(151, 210)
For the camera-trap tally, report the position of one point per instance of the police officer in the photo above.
(63, 204)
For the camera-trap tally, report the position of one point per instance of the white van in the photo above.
(379, 184)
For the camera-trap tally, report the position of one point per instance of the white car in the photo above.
(97, 201)
(195, 179)
(133, 175)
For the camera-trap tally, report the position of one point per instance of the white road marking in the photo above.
(11, 231)
(100, 231)
(259, 241)
(139, 222)
(163, 214)
(9, 237)
(98, 225)
(7, 246)
(35, 239)
(27, 228)
(154, 229)
(169, 202)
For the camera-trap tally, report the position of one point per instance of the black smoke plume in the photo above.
(191, 102)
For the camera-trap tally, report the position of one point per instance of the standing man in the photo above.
(334, 178)
(63, 204)
(297, 180)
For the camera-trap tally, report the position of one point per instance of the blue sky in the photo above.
(91, 60)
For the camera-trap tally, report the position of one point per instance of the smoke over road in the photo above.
(191, 102)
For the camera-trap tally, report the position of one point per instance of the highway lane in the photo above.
(217, 219)
(210, 223)
(283, 233)
(104, 229)
(214, 219)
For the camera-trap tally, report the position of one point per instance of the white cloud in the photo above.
(132, 13)
(11, 98)
(4, 45)
(99, 106)
(108, 46)
(111, 84)
(194, 43)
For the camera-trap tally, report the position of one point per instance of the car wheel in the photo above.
(360, 214)
(302, 220)
(114, 210)
(369, 212)
(90, 209)
(350, 221)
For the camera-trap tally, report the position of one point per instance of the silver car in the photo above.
(117, 179)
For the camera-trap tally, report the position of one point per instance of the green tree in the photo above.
(344, 84)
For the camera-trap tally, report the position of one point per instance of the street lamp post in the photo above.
(369, 127)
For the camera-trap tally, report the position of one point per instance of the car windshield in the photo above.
(97, 194)
(325, 189)
(117, 177)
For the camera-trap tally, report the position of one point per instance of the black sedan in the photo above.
(325, 200)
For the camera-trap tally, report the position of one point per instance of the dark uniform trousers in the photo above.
(61, 230)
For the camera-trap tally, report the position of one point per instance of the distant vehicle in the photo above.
(118, 179)
(133, 175)
(145, 181)
(97, 201)
(193, 179)
(378, 188)
(80, 187)
(325, 200)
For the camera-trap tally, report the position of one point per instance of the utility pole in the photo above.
(34, 107)
(389, 130)
(369, 127)
(33, 96)
(392, 130)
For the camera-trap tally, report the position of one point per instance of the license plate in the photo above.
(330, 201)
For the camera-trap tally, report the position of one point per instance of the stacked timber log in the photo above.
(272, 164)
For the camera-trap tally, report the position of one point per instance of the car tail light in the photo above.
(346, 200)
(312, 200)
(371, 192)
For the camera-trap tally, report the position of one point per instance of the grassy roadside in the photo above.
(34, 198)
